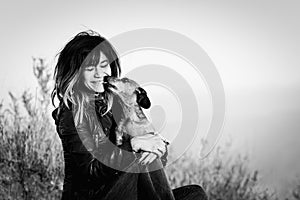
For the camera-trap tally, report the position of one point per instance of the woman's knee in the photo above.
(190, 192)
(197, 189)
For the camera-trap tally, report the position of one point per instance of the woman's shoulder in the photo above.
(62, 111)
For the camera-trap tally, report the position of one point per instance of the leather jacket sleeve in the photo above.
(107, 158)
(86, 158)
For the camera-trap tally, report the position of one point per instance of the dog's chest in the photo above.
(135, 128)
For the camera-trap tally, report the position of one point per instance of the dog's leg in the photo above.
(119, 133)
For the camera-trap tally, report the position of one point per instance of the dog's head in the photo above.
(128, 91)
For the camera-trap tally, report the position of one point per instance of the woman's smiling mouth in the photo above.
(96, 82)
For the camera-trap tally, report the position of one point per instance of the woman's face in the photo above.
(93, 75)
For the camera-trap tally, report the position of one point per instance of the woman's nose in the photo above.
(98, 72)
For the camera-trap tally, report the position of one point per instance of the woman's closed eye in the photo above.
(104, 64)
(89, 68)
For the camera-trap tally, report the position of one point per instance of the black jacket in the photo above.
(86, 147)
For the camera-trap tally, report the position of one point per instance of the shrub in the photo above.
(221, 176)
(30, 152)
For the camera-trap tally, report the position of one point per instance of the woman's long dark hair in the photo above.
(84, 49)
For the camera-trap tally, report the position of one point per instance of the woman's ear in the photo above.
(142, 98)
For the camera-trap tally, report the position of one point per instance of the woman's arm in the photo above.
(91, 162)
(153, 145)
(148, 142)
(108, 159)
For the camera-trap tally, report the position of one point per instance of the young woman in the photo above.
(94, 166)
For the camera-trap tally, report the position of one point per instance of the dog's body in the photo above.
(133, 127)
(132, 97)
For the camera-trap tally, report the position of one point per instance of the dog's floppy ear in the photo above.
(142, 98)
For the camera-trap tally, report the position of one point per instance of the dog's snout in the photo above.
(109, 79)
(106, 79)
(109, 82)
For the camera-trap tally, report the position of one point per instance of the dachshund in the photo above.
(133, 122)
(131, 97)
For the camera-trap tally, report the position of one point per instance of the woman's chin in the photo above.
(99, 89)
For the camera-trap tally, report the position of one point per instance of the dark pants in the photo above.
(128, 187)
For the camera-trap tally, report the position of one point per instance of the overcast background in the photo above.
(254, 45)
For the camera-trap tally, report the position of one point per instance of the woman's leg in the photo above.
(189, 192)
(124, 188)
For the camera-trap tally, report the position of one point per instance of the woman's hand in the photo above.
(148, 157)
(154, 146)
